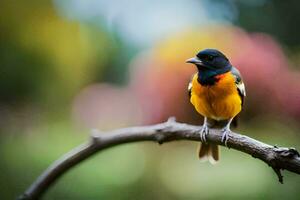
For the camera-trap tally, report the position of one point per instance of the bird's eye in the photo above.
(210, 58)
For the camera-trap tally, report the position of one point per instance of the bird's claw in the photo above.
(204, 132)
(225, 135)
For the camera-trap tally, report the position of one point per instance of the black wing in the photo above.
(240, 88)
(239, 83)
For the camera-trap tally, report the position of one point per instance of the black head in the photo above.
(210, 62)
(210, 59)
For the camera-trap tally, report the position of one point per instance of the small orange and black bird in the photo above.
(217, 92)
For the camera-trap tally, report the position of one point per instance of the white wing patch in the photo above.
(190, 89)
(241, 88)
(190, 86)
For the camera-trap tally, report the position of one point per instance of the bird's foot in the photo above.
(225, 135)
(203, 133)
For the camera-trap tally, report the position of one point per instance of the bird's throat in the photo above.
(209, 77)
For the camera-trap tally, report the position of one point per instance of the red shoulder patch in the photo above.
(219, 77)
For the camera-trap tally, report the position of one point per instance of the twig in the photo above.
(278, 158)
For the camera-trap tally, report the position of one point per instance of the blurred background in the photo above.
(69, 66)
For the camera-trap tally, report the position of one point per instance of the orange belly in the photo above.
(220, 101)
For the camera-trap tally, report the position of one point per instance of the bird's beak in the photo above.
(194, 60)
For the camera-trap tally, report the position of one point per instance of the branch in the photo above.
(278, 158)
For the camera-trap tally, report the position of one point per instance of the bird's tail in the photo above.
(209, 152)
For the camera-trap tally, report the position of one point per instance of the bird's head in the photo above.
(210, 60)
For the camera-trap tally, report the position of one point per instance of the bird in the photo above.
(217, 92)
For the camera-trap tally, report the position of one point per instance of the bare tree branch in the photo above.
(278, 158)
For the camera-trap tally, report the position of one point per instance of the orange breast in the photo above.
(220, 101)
